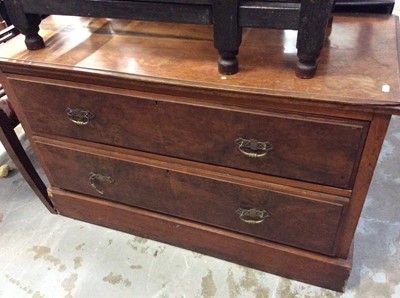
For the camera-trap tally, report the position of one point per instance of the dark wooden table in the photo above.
(228, 17)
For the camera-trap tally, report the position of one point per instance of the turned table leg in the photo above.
(228, 63)
(227, 35)
(27, 24)
(33, 40)
(314, 18)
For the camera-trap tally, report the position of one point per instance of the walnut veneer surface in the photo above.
(137, 131)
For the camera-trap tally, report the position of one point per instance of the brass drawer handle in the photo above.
(92, 180)
(252, 216)
(78, 116)
(253, 148)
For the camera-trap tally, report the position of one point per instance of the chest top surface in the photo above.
(358, 65)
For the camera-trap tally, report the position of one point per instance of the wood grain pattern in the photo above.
(275, 183)
(347, 72)
(292, 263)
(152, 87)
(293, 219)
(305, 147)
(368, 162)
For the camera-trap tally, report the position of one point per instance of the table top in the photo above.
(359, 64)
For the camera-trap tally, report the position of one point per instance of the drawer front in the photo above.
(183, 192)
(304, 148)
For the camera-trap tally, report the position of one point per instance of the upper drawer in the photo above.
(287, 215)
(301, 147)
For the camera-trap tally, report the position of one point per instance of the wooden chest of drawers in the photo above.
(259, 168)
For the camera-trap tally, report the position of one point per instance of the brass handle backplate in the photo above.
(78, 116)
(252, 216)
(93, 177)
(253, 148)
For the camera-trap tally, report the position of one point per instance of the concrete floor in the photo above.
(45, 255)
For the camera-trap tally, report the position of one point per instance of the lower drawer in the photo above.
(252, 208)
(293, 263)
